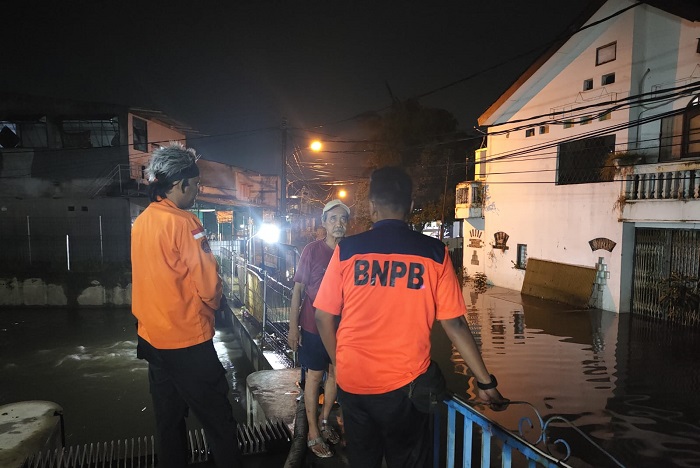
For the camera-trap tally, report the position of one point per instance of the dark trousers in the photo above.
(385, 425)
(194, 378)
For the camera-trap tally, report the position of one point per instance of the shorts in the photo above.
(312, 353)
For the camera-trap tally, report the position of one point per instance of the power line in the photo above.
(562, 38)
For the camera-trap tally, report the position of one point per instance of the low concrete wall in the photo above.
(248, 334)
(37, 292)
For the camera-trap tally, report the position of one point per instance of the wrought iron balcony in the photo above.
(469, 200)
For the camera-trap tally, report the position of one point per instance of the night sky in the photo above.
(234, 70)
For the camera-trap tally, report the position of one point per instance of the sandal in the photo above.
(328, 433)
(319, 447)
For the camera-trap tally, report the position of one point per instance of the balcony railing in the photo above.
(469, 200)
(663, 181)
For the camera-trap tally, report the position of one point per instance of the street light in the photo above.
(269, 233)
(315, 146)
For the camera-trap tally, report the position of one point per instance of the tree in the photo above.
(425, 141)
(360, 221)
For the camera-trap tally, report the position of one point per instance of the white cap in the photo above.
(332, 204)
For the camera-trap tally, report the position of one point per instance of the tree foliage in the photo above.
(426, 142)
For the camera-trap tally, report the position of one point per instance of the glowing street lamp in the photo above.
(316, 146)
(342, 193)
(270, 234)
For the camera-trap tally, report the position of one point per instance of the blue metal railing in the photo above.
(267, 301)
(493, 436)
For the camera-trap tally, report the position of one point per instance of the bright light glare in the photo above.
(342, 193)
(316, 145)
(275, 360)
(269, 233)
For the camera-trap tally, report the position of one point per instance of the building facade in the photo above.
(72, 179)
(587, 190)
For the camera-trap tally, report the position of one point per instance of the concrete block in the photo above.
(118, 296)
(10, 293)
(34, 292)
(55, 295)
(93, 295)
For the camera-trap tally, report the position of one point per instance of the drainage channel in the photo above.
(272, 436)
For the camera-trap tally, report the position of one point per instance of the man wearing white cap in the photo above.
(303, 333)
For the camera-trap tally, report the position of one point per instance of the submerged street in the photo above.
(629, 384)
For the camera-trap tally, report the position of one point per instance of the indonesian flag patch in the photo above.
(198, 233)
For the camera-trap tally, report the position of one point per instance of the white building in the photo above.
(552, 213)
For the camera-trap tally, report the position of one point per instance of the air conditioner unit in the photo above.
(480, 164)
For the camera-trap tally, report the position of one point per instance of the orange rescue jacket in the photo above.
(175, 281)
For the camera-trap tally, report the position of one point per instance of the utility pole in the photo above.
(444, 198)
(283, 176)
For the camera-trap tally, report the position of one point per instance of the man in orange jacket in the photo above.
(176, 290)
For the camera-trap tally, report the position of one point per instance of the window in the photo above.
(544, 129)
(530, 132)
(582, 161)
(586, 119)
(605, 116)
(462, 194)
(521, 259)
(24, 133)
(91, 133)
(607, 79)
(140, 135)
(588, 84)
(691, 130)
(680, 134)
(568, 123)
(606, 53)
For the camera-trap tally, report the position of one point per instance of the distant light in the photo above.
(342, 193)
(316, 145)
(269, 233)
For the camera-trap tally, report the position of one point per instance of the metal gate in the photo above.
(666, 267)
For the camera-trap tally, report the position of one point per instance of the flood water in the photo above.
(85, 360)
(629, 384)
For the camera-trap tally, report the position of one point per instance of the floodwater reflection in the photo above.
(629, 384)
(85, 360)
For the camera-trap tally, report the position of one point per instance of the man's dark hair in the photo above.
(391, 187)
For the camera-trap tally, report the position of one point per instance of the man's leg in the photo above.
(364, 444)
(330, 392)
(201, 380)
(311, 391)
(170, 411)
(386, 425)
(404, 430)
(311, 354)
